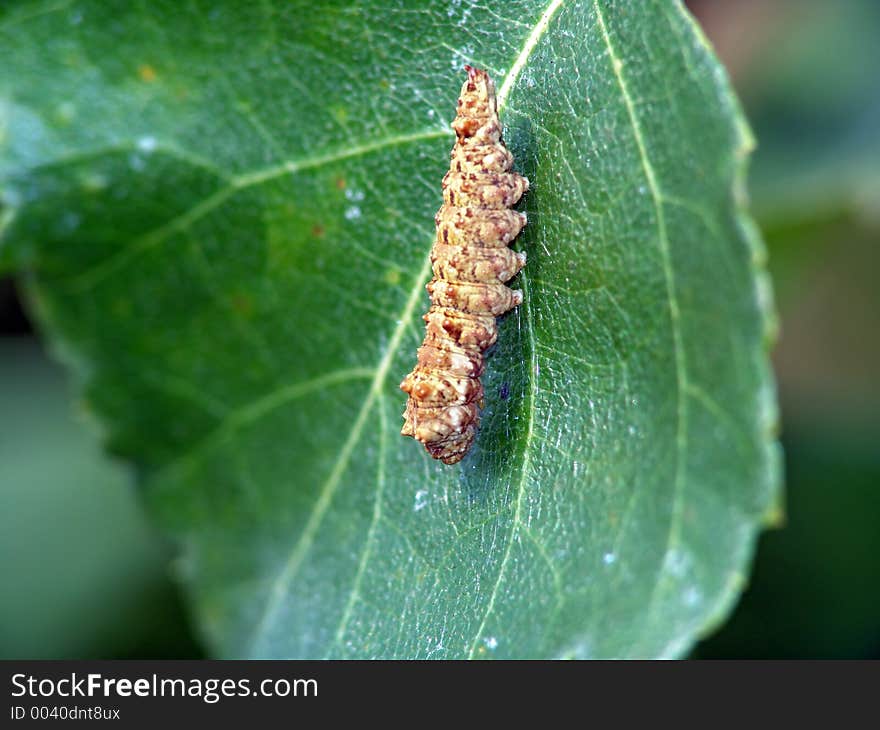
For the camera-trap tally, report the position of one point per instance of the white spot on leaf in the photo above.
(146, 144)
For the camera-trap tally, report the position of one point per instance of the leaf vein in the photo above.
(371, 534)
(257, 408)
(678, 348)
(282, 582)
(89, 278)
(531, 42)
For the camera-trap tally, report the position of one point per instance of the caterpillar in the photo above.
(471, 261)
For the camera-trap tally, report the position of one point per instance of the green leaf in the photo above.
(226, 212)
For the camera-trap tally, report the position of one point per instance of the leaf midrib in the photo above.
(531, 42)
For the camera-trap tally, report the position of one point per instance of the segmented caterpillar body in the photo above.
(471, 261)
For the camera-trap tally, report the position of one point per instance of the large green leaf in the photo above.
(225, 212)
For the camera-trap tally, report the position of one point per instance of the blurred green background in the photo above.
(84, 574)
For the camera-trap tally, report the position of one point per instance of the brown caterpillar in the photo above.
(471, 262)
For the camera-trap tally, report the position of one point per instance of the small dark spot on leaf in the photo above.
(504, 391)
(340, 183)
(318, 230)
